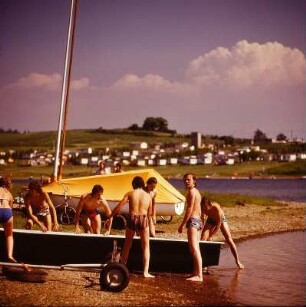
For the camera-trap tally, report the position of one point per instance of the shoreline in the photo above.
(266, 177)
(82, 289)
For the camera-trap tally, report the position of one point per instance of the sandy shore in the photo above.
(64, 288)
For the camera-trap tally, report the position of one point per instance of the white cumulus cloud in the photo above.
(52, 82)
(149, 81)
(242, 67)
(35, 80)
(248, 64)
(80, 84)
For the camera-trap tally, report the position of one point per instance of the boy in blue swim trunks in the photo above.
(192, 221)
(216, 220)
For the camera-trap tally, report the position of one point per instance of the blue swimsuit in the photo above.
(194, 222)
(5, 214)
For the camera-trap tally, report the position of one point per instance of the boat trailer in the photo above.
(114, 276)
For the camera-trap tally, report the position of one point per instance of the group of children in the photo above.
(141, 218)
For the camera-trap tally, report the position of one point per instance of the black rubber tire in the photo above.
(68, 217)
(114, 277)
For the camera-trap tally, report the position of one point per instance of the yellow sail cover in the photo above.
(115, 186)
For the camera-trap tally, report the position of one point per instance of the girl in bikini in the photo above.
(6, 216)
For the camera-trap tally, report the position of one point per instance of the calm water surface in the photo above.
(274, 273)
(279, 189)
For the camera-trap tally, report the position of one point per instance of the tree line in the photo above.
(160, 124)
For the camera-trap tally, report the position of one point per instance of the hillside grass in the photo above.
(101, 139)
(112, 139)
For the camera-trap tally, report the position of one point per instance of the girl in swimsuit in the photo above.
(6, 216)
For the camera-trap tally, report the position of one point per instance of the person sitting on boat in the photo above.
(102, 169)
(151, 189)
(40, 209)
(216, 220)
(118, 168)
(192, 221)
(88, 211)
(139, 203)
(6, 216)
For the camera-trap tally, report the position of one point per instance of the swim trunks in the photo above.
(137, 222)
(91, 214)
(194, 222)
(5, 214)
(214, 223)
(42, 213)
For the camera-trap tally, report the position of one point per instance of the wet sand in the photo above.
(83, 289)
(65, 288)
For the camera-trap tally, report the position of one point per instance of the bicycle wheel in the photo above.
(67, 217)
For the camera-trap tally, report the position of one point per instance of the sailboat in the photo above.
(60, 248)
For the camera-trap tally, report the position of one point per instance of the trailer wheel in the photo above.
(114, 277)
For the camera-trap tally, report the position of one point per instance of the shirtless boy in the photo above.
(140, 204)
(40, 209)
(192, 221)
(87, 209)
(216, 220)
(150, 188)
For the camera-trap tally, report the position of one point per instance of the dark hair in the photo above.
(97, 188)
(2, 182)
(6, 181)
(35, 185)
(138, 183)
(193, 177)
(151, 180)
(205, 200)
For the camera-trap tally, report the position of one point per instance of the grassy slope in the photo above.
(45, 141)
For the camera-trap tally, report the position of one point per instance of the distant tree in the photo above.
(133, 127)
(228, 140)
(155, 124)
(259, 136)
(281, 137)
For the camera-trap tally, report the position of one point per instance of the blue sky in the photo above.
(225, 67)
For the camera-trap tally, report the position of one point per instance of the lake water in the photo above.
(274, 273)
(279, 189)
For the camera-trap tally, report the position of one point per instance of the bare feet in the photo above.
(195, 278)
(205, 271)
(148, 275)
(240, 265)
(26, 267)
(12, 260)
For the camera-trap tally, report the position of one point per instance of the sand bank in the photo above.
(82, 289)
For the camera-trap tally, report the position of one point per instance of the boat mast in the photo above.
(62, 123)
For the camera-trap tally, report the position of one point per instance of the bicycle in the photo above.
(65, 214)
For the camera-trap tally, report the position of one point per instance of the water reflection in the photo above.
(274, 274)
